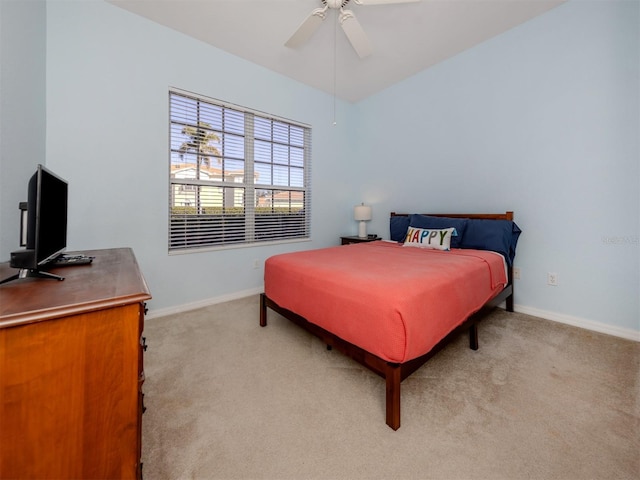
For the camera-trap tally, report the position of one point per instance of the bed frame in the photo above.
(395, 373)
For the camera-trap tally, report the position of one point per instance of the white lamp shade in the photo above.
(362, 212)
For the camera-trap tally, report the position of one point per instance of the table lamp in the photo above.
(362, 213)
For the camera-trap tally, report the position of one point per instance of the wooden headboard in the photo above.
(487, 216)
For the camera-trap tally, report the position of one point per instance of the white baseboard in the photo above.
(163, 312)
(580, 322)
(535, 312)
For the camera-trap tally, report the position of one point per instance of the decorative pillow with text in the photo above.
(437, 239)
(429, 222)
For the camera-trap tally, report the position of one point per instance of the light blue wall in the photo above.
(22, 109)
(108, 76)
(542, 120)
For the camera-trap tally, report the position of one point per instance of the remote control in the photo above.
(65, 260)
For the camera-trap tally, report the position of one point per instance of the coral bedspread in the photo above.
(392, 301)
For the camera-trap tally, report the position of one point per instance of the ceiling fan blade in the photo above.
(307, 28)
(382, 2)
(355, 33)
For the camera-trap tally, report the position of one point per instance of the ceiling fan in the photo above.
(348, 22)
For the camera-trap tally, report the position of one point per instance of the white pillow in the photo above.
(437, 239)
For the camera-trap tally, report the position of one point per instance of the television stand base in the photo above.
(30, 272)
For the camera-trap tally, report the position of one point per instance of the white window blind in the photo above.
(236, 176)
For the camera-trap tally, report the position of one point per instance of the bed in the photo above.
(390, 307)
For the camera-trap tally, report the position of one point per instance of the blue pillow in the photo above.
(496, 235)
(398, 226)
(427, 221)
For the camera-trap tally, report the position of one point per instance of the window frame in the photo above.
(279, 224)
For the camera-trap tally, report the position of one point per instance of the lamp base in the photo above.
(362, 229)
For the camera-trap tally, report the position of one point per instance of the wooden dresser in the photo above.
(71, 371)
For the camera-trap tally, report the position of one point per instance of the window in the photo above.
(236, 176)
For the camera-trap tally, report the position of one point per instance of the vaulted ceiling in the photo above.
(405, 38)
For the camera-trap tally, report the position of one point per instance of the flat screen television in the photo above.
(45, 229)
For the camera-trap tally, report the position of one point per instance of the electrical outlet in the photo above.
(516, 273)
(552, 279)
(256, 264)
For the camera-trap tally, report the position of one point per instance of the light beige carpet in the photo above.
(227, 399)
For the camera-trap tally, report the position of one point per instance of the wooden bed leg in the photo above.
(263, 310)
(509, 301)
(473, 336)
(393, 378)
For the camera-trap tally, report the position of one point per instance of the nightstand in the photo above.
(356, 239)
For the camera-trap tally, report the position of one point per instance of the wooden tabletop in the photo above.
(113, 278)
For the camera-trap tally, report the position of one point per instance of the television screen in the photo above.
(46, 225)
(47, 233)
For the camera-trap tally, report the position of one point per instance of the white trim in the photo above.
(163, 312)
(627, 333)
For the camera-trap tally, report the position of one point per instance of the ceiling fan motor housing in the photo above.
(335, 3)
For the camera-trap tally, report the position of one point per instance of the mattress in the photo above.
(392, 301)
